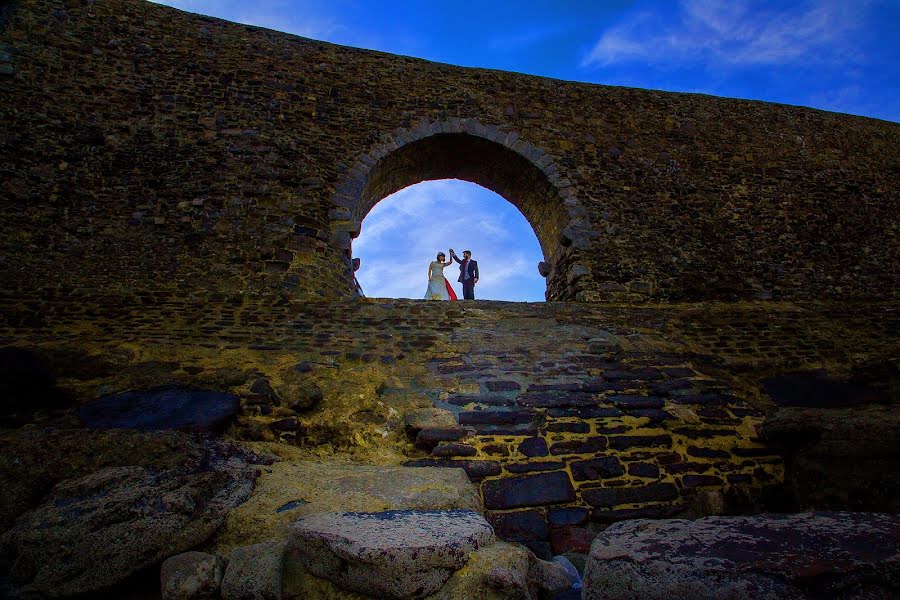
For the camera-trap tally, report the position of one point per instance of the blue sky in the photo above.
(838, 55)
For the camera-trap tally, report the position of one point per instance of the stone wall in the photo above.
(565, 413)
(144, 148)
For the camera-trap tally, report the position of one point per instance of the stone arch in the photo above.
(496, 159)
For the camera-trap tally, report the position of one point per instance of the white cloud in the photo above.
(738, 32)
(403, 232)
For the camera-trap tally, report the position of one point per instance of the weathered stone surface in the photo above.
(533, 447)
(431, 437)
(295, 486)
(362, 414)
(630, 402)
(191, 576)
(839, 458)
(476, 470)
(658, 511)
(500, 571)
(622, 442)
(519, 525)
(803, 556)
(33, 461)
(162, 408)
(496, 417)
(560, 517)
(530, 490)
(394, 131)
(394, 554)
(628, 495)
(596, 468)
(504, 571)
(585, 446)
(254, 572)
(93, 532)
(643, 470)
(429, 418)
(453, 449)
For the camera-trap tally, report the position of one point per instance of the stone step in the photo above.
(802, 556)
(392, 554)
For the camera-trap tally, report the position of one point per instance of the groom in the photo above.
(468, 273)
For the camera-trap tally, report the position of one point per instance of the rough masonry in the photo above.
(179, 197)
(200, 156)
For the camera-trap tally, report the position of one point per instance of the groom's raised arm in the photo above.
(455, 257)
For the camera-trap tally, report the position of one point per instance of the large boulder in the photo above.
(168, 407)
(295, 486)
(765, 557)
(91, 532)
(391, 554)
(32, 461)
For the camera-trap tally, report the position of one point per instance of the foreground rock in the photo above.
(32, 461)
(170, 407)
(766, 557)
(295, 486)
(92, 531)
(393, 554)
(501, 571)
(839, 459)
(191, 576)
(254, 573)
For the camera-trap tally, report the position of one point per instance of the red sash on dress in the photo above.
(450, 291)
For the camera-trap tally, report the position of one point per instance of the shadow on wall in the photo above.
(27, 385)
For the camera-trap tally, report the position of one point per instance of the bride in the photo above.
(438, 286)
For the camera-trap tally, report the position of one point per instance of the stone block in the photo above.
(605, 515)
(624, 442)
(476, 470)
(596, 468)
(518, 526)
(693, 481)
(606, 497)
(533, 466)
(533, 447)
(530, 490)
(561, 517)
(585, 446)
(496, 417)
(392, 554)
(643, 470)
(807, 555)
(628, 402)
(191, 576)
(453, 449)
(254, 573)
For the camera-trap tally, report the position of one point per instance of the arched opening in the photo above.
(499, 161)
(403, 232)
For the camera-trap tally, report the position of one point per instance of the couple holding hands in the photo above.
(438, 286)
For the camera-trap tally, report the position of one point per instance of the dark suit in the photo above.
(468, 273)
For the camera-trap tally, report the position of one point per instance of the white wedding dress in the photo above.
(438, 288)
